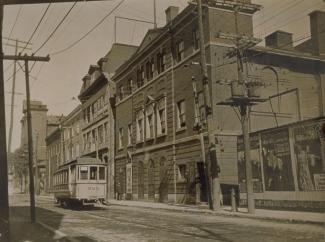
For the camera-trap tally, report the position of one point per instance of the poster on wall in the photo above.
(277, 167)
(256, 164)
(129, 178)
(309, 155)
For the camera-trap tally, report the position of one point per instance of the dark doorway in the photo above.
(140, 180)
(163, 175)
(191, 183)
(202, 182)
(151, 180)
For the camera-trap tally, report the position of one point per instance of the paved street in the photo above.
(121, 223)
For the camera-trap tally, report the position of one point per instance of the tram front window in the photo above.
(101, 173)
(93, 173)
(84, 172)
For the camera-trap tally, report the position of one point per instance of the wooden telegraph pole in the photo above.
(4, 201)
(210, 164)
(13, 90)
(26, 59)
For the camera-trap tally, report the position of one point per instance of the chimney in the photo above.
(171, 13)
(317, 29)
(279, 40)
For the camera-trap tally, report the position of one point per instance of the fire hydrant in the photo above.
(233, 200)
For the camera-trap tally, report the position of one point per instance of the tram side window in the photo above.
(93, 173)
(101, 173)
(84, 172)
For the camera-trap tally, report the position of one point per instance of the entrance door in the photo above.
(191, 199)
(163, 185)
(202, 182)
(151, 180)
(140, 180)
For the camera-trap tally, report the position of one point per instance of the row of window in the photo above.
(152, 121)
(61, 178)
(91, 173)
(98, 135)
(157, 63)
(95, 109)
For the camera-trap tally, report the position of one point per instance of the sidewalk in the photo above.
(21, 229)
(265, 214)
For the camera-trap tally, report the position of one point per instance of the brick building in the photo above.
(97, 114)
(158, 154)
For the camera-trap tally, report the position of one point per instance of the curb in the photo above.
(56, 232)
(228, 214)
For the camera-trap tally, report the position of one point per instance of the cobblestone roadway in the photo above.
(117, 223)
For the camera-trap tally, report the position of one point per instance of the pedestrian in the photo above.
(118, 190)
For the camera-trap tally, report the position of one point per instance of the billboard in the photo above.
(256, 164)
(277, 166)
(309, 156)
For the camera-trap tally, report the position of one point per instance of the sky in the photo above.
(57, 82)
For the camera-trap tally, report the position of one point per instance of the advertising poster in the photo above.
(277, 161)
(256, 164)
(310, 161)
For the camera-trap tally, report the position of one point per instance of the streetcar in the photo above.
(80, 182)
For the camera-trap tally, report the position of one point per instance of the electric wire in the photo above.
(89, 32)
(57, 27)
(15, 22)
(277, 14)
(37, 26)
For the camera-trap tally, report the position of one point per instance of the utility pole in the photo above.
(198, 126)
(36, 166)
(4, 200)
(214, 202)
(26, 59)
(13, 92)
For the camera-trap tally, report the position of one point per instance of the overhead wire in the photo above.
(57, 27)
(90, 31)
(37, 26)
(15, 22)
(30, 38)
(277, 14)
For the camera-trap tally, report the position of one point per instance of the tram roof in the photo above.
(84, 161)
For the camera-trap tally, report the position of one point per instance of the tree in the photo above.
(18, 166)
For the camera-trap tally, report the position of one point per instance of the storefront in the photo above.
(288, 166)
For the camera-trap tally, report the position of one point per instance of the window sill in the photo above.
(150, 139)
(120, 148)
(161, 135)
(178, 130)
(129, 146)
(139, 142)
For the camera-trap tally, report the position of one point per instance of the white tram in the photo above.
(82, 181)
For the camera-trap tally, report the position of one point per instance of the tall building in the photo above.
(42, 124)
(158, 153)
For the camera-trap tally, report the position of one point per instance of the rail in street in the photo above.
(117, 223)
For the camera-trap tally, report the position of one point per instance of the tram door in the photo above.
(140, 180)
(151, 180)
